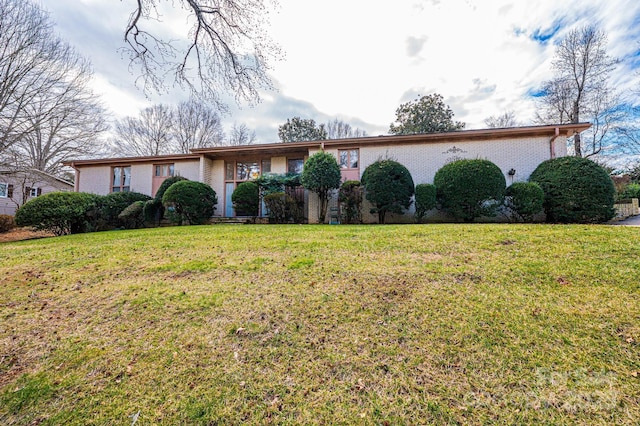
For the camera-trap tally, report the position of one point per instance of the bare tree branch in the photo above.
(227, 51)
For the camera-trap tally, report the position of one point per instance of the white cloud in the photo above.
(360, 59)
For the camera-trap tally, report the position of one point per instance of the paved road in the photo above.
(630, 221)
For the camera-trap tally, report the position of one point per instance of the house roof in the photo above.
(301, 148)
(8, 171)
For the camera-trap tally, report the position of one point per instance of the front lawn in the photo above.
(413, 324)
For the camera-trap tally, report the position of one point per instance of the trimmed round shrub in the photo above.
(576, 190)
(246, 199)
(59, 212)
(132, 217)
(166, 184)
(525, 200)
(388, 186)
(111, 205)
(425, 199)
(469, 189)
(189, 201)
(7, 223)
(321, 174)
(280, 207)
(350, 199)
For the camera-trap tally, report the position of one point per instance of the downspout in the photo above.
(552, 143)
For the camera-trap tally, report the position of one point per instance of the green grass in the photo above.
(414, 324)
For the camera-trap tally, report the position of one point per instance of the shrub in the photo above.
(280, 206)
(166, 184)
(59, 212)
(525, 200)
(7, 223)
(469, 189)
(321, 174)
(132, 217)
(246, 199)
(350, 199)
(192, 202)
(152, 212)
(389, 187)
(111, 205)
(425, 199)
(576, 190)
(632, 190)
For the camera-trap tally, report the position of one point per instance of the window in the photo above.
(4, 190)
(348, 158)
(247, 170)
(121, 179)
(164, 170)
(295, 165)
(33, 192)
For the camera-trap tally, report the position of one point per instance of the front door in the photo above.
(160, 173)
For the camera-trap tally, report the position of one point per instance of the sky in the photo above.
(358, 60)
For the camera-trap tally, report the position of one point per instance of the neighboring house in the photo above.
(18, 187)
(517, 151)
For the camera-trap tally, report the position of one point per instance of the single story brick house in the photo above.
(517, 151)
(19, 186)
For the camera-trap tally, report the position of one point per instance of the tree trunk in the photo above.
(577, 145)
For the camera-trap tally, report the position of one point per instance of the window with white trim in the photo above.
(4, 190)
(121, 179)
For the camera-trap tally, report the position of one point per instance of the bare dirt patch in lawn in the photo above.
(19, 234)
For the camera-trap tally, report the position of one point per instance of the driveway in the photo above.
(630, 221)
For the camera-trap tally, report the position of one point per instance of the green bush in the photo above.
(321, 174)
(166, 184)
(133, 217)
(388, 186)
(189, 201)
(59, 212)
(576, 190)
(469, 189)
(632, 190)
(152, 212)
(270, 183)
(246, 199)
(111, 205)
(425, 199)
(524, 200)
(350, 199)
(7, 223)
(280, 207)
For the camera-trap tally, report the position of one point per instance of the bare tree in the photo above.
(196, 125)
(338, 129)
(576, 93)
(241, 135)
(33, 60)
(150, 134)
(63, 122)
(506, 119)
(227, 48)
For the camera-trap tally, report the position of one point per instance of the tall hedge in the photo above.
(321, 174)
(469, 189)
(59, 212)
(190, 201)
(576, 190)
(388, 186)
